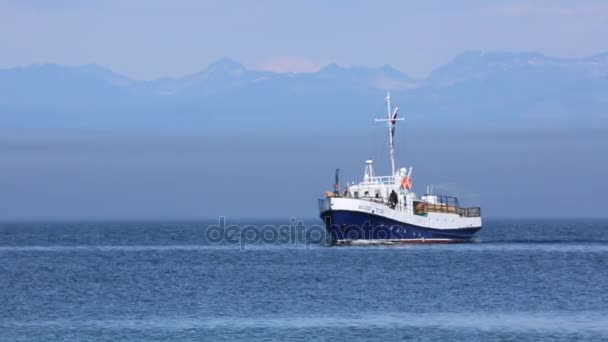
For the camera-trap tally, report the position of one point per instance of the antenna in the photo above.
(391, 120)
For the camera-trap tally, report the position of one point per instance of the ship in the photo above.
(385, 210)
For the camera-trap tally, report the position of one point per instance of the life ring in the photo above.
(406, 182)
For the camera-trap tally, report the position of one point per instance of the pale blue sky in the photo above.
(150, 39)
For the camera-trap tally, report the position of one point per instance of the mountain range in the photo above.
(474, 90)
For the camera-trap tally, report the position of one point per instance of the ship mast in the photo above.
(391, 121)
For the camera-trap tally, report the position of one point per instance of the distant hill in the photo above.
(474, 90)
(518, 89)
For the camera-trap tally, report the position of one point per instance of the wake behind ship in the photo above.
(385, 210)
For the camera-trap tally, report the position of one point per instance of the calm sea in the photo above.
(523, 280)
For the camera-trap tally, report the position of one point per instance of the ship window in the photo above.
(356, 194)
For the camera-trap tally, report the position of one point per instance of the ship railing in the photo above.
(470, 212)
(422, 208)
(446, 205)
(378, 180)
(381, 200)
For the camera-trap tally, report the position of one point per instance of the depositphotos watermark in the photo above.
(243, 235)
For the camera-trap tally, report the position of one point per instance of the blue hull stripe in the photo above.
(344, 225)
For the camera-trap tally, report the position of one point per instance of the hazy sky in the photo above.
(153, 38)
(257, 176)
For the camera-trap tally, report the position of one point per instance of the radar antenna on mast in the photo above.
(391, 121)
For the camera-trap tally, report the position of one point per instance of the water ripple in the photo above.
(568, 322)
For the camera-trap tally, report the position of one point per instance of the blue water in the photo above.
(523, 280)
